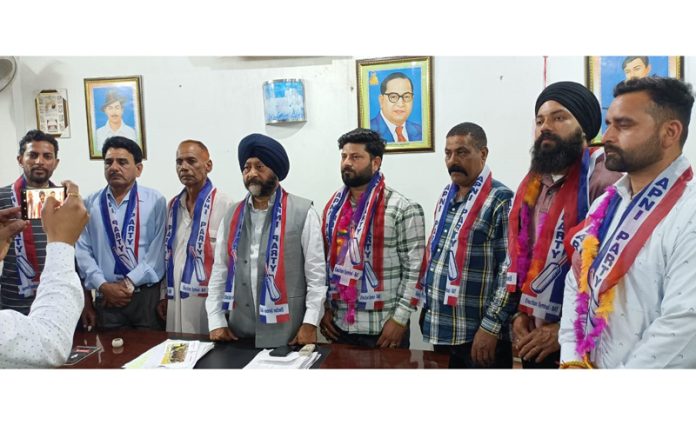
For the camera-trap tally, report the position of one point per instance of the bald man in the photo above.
(193, 218)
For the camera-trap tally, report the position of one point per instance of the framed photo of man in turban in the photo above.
(395, 100)
(114, 108)
(603, 73)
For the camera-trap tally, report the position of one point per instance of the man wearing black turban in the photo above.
(565, 177)
(269, 270)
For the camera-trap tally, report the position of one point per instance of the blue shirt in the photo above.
(95, 258)
(484, 301)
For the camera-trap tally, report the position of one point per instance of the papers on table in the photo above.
(293, 360)
(171, 354)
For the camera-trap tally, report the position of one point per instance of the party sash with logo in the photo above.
(617, 254)
(539, 271)
(457, 241)
(273, 303)
(124, 241)
(361, 258)
(199, 249)
(25, 249)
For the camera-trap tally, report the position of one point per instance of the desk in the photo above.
(237, 354)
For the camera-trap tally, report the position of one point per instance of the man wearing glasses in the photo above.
(396, 103)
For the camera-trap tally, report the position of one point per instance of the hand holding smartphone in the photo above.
(33, 200)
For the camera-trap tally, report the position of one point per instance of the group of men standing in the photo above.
(582, 266)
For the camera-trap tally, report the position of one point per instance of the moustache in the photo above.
(456, 169)
(611, 149)
(547, 136)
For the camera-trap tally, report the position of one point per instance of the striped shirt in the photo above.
(484, 303)
(10, 297)
(404, 241)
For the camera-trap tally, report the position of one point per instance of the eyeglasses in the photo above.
(394, 97)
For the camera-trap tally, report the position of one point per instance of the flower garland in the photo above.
(349, 294)
(531, 196)
(590, 248)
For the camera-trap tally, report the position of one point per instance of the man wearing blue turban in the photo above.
(269, 271)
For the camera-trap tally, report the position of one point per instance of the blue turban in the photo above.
(267, 150)
(581, 102)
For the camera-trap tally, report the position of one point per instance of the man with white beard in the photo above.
(269, 271)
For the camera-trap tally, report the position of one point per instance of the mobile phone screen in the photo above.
(33, 200)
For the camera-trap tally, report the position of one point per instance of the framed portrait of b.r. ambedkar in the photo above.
(603, 73)
(395, 100)
(114, 108)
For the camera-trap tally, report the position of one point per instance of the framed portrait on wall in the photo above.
(284, 101)
(114, 108)
(395, 100)
(52, 112)
(603, 73)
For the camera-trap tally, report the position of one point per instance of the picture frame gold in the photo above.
(383, 78)
(114, 108)
(603, 73)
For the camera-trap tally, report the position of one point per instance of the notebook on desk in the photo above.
(237, 354)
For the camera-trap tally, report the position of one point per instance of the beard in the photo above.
(263, 188)
(39, 178)
(358, 178)
(558, 157)
(617, 159)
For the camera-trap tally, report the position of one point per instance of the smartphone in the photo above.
(281, 351)
(33, 200)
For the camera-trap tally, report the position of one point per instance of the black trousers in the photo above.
(140, 313)
(460, 356)
(550, 362)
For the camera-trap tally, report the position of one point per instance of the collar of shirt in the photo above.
(271, 201)
(125, 199)
(392, 127)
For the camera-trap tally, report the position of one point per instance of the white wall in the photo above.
(218, 100)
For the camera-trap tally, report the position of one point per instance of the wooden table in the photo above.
(337, 356)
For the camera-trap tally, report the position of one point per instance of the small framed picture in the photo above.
(52, 112)
(284, 101)
(114, 108)
(395, 100)
(603, 73)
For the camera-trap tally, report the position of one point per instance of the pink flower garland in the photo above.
(349, 294)
(586, 343)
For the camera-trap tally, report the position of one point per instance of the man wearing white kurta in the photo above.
(184, 307)
(631, 299)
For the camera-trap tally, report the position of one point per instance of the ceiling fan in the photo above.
(8, 69)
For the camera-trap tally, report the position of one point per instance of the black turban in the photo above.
(267, 150)
(579, 101)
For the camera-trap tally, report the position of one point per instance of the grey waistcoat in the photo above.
(243, 320)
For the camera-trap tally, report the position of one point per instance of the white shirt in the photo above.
(392, 128)
(314, 269)
(188, 315)
(44, 337)
(653, 324)
(105, 132)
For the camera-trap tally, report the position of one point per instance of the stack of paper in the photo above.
(172, 354)
(293, 360)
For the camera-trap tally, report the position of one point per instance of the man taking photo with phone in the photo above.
(38, 158)
(44, 337)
